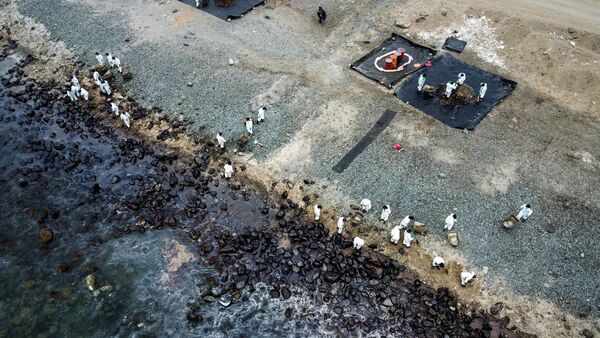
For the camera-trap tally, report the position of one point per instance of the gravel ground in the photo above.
(321, 109)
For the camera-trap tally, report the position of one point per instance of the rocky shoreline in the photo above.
(246, 236)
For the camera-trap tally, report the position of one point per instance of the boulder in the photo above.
(420, 228)
(90, 282)
(403, 21)
(46, 235)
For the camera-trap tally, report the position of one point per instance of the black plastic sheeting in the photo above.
(379, 126)
(446, 68)
(366, 66)
(240, 8)
(454, 44)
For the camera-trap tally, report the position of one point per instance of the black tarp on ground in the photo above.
(240, 8)
(379, 126)
(446, 68)
(454, 44)
(366, 66)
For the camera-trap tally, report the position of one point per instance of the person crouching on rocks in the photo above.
(228, 169)
(260, 117)
(365, 205)
(358, 243)
(439, 263)
(466, 277)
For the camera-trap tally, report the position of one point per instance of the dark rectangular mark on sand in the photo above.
(379, 126)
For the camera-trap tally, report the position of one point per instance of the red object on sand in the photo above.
(397, 147)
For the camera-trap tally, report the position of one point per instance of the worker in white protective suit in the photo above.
(466, 277)
(75, 90)
(450, 87)
(97, 78)
(406, 221)
(261, 115)
(75, 81)
(408, 238)
(117, 63)
(228, 169)
(71, 95)
(249, 125)
(395, 234)
(317, 209)
(461, 78)
(524, 212)
(114, 108)
(221, 140)
(100, 59)
(365, 205)
(110, 59)
(358, 243)
(105, 88)
(421, 83)
(126, 119)
(482, 91)
(340, 224)
(84, 93)
(450, 221)
(438, 263)
(385, 213)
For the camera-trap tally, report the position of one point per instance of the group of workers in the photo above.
(450, 221)
(260, 118)
(76, 91)
(452, 85)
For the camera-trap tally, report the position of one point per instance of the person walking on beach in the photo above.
(220, 140)
(100, 59)
(228, 169)
(261, 115)
(461, 78)
(450, 221)
(365, 205)
(322, 15)
(249, 125)
(110, 59)
(317, 212)
(385, 213)
(340, 225)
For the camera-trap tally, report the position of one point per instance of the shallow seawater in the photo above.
(145, 281)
